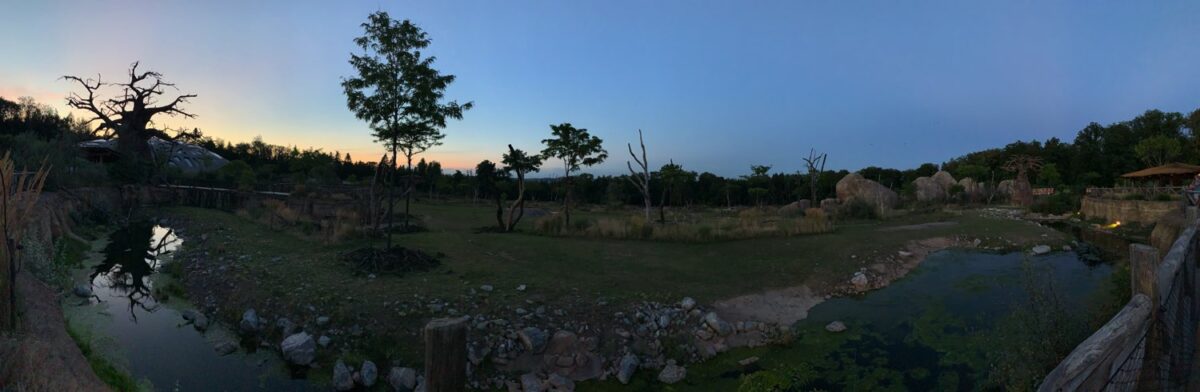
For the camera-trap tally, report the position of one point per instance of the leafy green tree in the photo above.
(398, 93)
(672, 176)
(576, 148)
(1158, 150)
(519, 163)
(1048, 175)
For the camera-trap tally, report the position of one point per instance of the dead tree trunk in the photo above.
(446, 354)
(641, 180)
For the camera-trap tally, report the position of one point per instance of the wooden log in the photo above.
(446, 354)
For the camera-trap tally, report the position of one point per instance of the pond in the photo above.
(150, 338)
(949, 325)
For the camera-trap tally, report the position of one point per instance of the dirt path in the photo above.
(42, 356)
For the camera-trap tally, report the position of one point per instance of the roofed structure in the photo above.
(188, 158)
(1174, 172)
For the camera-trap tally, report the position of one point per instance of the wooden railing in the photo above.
(1150, 345)
(1120, 192)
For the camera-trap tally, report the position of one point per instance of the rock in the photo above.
(402, 378)
(533, 338)
(521, 288)
(1006, 188)
(836, 326)
(559, 383)
(324, 341)
(859, 281)
(368, 374)
(322, 321)
(854, 187)
(829, 205)
(672, 373)
(928, 190)
(225, 348)
(285, 326)
(250, 322)
(1040, 250)
(944, 180)
(200, 323)
(561, 342)
(83, 290)
(487, 288)
(972, 190)
(626, 368)
(904, 253)
(704, 334)
(718, 326)
(748, 361)
(343, 377)
(299, 349)
(531, 383)
(687, 303)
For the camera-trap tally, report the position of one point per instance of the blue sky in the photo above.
(716, 86)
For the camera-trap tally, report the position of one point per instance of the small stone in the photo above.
(531, 383)
(402, 378)
(324, 341)
(905, 253)
(322, 321)
(250, 322)
(836, 326)
(687, 303)
(83, 290)
(343, 377)
(225, 348)
(559, 383)
(672, 373)
(859, 280)
(1040, 250)
(625, 370)
(533, 338)
(487, 288)
(368, 374)
(299, 349)
(521, 288)
(748, 361)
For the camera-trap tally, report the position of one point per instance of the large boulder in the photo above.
(343, 377)
(299, 349)
(1005, 189)
(854, 187)
(928, 189)
(944, 180)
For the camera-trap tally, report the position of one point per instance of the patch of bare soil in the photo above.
(41, 356)
(788, 305)
(395, 261)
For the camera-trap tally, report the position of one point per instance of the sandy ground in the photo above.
(41, 356)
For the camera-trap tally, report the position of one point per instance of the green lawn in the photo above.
(560, 272)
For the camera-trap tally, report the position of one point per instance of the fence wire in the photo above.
(1165, 357)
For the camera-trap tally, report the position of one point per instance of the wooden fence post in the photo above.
(446, 354)
(1143, 270)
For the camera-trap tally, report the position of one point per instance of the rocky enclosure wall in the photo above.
(1140, 211)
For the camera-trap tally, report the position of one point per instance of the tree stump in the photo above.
(446, 354)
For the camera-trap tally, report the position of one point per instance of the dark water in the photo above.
(152, 337)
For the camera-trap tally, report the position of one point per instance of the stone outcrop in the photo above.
(944, 180)
(1140, 211)
(854, 187)
(928, 190)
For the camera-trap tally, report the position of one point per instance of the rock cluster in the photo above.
(854, 187)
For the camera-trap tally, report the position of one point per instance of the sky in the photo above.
(715, 86)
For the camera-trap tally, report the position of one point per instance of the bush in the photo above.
(1058, 203)
(1133, 196)
(67, 168)
(857, 209)
(1164, 197)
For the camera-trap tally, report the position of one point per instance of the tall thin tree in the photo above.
(576, 148)
(519, 163)
(399, 93)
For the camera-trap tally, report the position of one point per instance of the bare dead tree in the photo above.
(1022, 164)
(816, 165)
(130, 114)
(640, 180)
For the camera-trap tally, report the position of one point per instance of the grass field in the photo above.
(588, 276)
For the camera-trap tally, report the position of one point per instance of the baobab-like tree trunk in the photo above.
(128, 115)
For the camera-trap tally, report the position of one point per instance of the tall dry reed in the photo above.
(19, 193)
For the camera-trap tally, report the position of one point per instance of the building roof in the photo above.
(1170, 169)
(188, 158)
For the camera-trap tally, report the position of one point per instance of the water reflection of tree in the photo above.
(130, 258)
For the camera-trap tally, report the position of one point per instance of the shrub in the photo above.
(67, 168)
(857, 209)
(1164, 197)
(1133, 196)
(1058, 203)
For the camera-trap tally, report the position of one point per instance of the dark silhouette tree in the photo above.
(671, 175)
(486, 176)
(576, 148)
(398, 93)
(130, 114)
(640, 180)
(816, 164)
(519, 163)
